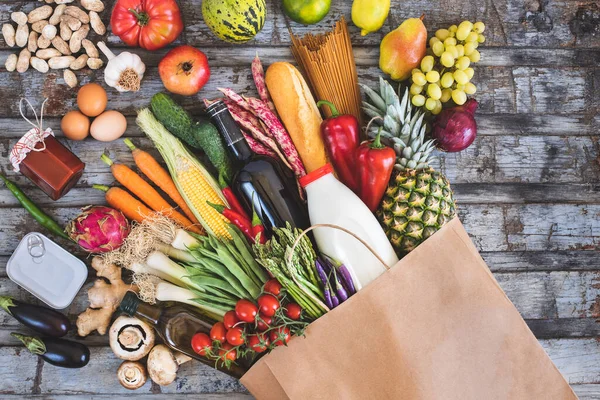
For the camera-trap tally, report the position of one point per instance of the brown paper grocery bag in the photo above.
(435, 326)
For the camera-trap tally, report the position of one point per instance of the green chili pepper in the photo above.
(41, 217)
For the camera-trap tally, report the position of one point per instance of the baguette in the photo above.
(298, 112)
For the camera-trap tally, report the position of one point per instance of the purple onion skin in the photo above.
(455, 129)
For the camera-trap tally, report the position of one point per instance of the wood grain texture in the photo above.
(528, 189)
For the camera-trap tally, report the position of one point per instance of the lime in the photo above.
(306, 12)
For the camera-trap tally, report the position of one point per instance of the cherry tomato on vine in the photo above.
(293, 311)
(218, 332)
(227, 352)
(201, 343)
(254, 342)
(246, 310)
(280, 336)
(273, 286)
(268, 305)
(263, 322)
(230, 319)
(235, 336)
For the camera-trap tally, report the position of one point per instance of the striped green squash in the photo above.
(235, 21)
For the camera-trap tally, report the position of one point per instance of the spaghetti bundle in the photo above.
(328, 63)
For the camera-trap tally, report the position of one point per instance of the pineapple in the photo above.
(418, 200)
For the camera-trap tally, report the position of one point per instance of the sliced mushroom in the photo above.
(163, 364)
(130, 339)
(132, 375)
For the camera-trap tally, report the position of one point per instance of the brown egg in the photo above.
(108, 126)
(75, 125)
(92, 99)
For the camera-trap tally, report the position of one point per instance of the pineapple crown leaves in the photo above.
(402, 125)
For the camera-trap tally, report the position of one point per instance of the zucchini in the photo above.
(200, 135)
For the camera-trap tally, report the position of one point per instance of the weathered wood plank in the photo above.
(491, 159)
(465, 193)
(487, 125)
(137, 396)
(587, 392)
(537, 295)
(17, 377)
(368, 56)
(99, 377)
(577, 359)
(531, 227)
(500, 89)
(564, 328)
(521, 261)
(509, 22)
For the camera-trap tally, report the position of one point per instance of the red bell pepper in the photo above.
(149, 24)
(341, 136)
(375, 165)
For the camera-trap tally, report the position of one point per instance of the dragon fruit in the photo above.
(99, 229)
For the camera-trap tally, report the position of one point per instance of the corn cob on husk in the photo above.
(194, 182)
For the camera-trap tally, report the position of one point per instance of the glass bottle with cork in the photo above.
(176, 325)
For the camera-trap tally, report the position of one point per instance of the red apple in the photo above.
(184, 70)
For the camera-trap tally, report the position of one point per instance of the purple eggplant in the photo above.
(347, 279)
(60, 352)
(339, 288)
(41, 319)
(334, 299)
(323, 277)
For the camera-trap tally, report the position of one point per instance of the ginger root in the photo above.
(104, 298)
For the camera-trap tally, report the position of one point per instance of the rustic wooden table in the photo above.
(528, 188)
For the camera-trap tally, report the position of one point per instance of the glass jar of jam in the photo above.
(46, 162)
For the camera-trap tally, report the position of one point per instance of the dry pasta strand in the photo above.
(328, 62)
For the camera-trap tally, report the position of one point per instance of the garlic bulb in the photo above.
(123, 72)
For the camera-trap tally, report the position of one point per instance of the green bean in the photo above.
(246, 252)
(228, 260)
(224, 272)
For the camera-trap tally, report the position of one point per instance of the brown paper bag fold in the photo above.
(435, 326)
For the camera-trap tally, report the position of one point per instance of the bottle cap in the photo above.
(129, 304)
(316, 174)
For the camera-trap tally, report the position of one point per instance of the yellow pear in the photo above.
(402, 49)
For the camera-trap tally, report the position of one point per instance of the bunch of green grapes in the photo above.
(445, 73)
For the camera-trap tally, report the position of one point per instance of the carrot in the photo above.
(161, 178)
(121, 200)
(145, 192)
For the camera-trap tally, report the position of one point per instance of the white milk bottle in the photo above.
(331, 202)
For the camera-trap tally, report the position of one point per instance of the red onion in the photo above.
(99, 229)
(454, 129)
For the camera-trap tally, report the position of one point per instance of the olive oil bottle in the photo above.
(176, 325)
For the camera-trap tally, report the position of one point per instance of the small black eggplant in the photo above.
(41, 319)
(60, 352)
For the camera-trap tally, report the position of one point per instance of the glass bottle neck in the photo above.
(229, 130)
(148, 313)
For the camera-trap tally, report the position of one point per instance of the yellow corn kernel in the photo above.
(197, 191)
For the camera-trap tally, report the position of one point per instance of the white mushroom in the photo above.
(132, 375)
(130, 339)
(163, 364)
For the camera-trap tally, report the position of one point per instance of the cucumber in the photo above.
(174, 118)
(211, 142)
(200, 135)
